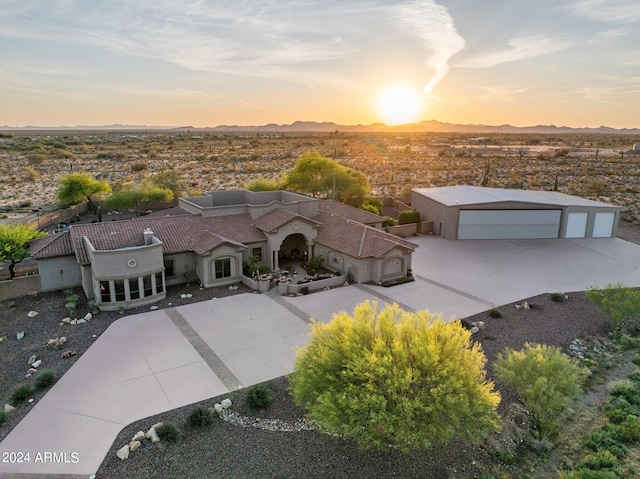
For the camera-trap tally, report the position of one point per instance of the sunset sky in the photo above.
(212, 62)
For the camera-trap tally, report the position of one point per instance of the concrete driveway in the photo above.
(157, 361)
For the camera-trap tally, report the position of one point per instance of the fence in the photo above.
(20, 286)
(58, 216)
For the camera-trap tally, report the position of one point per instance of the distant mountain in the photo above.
(430, 126)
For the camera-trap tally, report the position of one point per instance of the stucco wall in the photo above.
(21, 286)
(206, 266)
(59, 273)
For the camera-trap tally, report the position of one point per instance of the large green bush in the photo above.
(617, 303)
(392, 377)
(545, 379)
(409, 216)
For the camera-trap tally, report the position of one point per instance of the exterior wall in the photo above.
(274, 240)
(403, 231)
(431, 211)
(20, 286)
(591, 211)
(206, 266)
(182, 263)
(59, 273)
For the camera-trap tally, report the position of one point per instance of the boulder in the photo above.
(525, 305)
(8, 409)
(123, 452)
(157, 425)
(81, 321)
(66, 320)
(153, 308)
(153, 435)
(73, 321)
(32, 359)
(36, 364)
(218, 408)
(474, 330)
(31, 371)
(20, 335)
(138, 436)
(133, 445)
(226, 403)
(3, 339)
(88, 316)
(32, 314)
(67, 354)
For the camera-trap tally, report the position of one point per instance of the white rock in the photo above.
(218, 408)
(138, 436)
(157, 425)
(20, 335)
(92, 476)
(31, 371)
(123, 452)
(475, 329)
(65, 320)
(8, 408)
(73, 321)
(183, 296)
(32, 314)
(153, 435)
(53, 341)
(30, 400)
(153, 308)
(518, 306)
(525, 305)
(62, 340)
(36, 364)
(32, 359)
(133, 445)
(81, 321)
(226, 403)
(88, 316)
(480, 324)
(189, 295)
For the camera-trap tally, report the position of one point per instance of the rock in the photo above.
(61, 340)
(32, 359)
(153, 308)
(52, 341)
(73, 321)
(36, 364)
(32, 314)
(20, 335)
(183, 296)
(189, 296)
(8, 409)
(133, 445)
(517, 306)
(226, 403)
(218, 408)
(68, 354)
(31, 371)
(525, 305)
(153, 435)
(123, 452)
(88, 316)
(81, 321)
(474, 330)
(66, 320)
(3, 339)
(138, 436)
(480, 324)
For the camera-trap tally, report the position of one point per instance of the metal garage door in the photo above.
(508, 224)
(576, 225)
(603, 225)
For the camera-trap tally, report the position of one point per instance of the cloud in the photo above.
(434, 28)
(519, 48)
(617, 11)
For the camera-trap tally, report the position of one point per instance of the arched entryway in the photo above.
(294, 247)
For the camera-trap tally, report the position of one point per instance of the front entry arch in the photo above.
(293, 247)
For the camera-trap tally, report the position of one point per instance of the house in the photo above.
(474, 212)
(207, 239)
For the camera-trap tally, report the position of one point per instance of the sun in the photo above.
(399, 104)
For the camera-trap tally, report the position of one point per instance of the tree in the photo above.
(323, 177)
(138, 196)
(617, 303)
(77, 187)
(262, 184)
(170, 180)
(545, 379)
(14, 243)
(395, 378)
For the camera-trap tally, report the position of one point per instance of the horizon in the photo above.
(203, 64)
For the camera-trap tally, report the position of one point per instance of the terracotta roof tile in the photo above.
(274, 219)
(52, 245)
(209, 241)
(349, 212)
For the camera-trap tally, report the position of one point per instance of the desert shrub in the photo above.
(545, 379)
(45, 379)
(169, 433)
(618, 408)
(605, 438)
(589, 474)
(258, 397)
(535, 306)
(599, 460)
(200, 417)
(636, 359)
(495, 314)
(616, 302)
(138, 166)
(21, 393)
(558, 297)
(629, 430)
(635, 376)
(396, 378)
(626, 389)
(408, 216)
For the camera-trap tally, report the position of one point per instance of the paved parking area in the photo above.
(160, 360)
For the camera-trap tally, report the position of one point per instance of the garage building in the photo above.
(474, 212)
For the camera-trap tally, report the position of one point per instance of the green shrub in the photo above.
(169, 433)
(636, 359)
(545, 379)
(629, 430)
(408, 216)
(589, 474)
(45, 379)
(627, 343)
(616, 303)
(599, 460)
(618, 408)
(627, 389)
(495, 314)
(558, 297)
(200, 417)
(635, 377)
(258, 397)
(606, 438)
(21, 393)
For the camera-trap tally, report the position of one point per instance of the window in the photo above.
(223, 268)
(105, 292)
(257, 252)
(159, 286)
(134, 288)
(169, 272)
(119, 287)
(148, 289)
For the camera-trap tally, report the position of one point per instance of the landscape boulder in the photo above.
(123, 452)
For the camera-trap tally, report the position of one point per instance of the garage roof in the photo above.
(473, 195)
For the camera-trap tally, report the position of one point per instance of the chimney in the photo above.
(148, 236)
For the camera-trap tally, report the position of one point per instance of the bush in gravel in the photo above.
(606, 438)
(558, 297)
(618, 408)
(495, 314)
(45, 379)
(626, 389)
(617, 303)
(598, 461)
(200, 417)
(169, 433)
(545, 379)
(21, 393)
(258, 397)
(629, 430)
(396, 378)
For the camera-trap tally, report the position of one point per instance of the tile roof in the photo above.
(52, 245)
(175, 211)
(274, 219)
(349, 212)
(209, 241)
(177, 233)
(356, 239)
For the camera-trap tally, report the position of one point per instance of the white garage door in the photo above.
(603, 225)
(508, 224)
(577, 225)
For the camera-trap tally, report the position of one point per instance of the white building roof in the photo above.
(473, 195)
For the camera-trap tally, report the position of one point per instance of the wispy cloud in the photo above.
(618, 11)
(434, 28)
(519, 48)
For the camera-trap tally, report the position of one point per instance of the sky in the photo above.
(211, 62)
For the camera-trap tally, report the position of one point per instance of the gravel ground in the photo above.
(231, 451)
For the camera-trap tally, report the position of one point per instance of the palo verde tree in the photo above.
(395, 378)
(323, 177)
(14, 243)
(77, 187)
(617, 303)
(262, 184)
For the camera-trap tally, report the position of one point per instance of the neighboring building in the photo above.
(473, 212)
(207, 239)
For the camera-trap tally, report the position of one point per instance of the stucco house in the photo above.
(207, 239)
